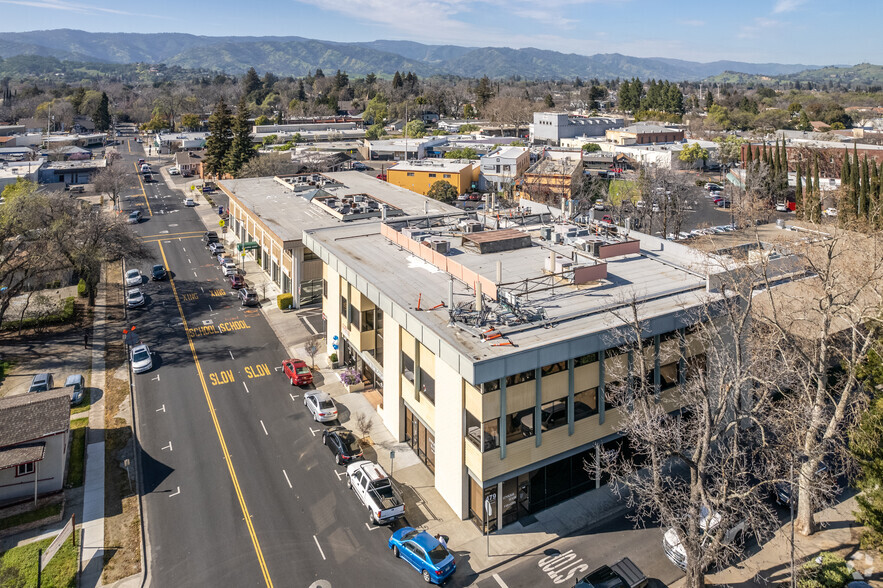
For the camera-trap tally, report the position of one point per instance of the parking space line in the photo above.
(175, 493)
(284, 473)
(340, 475)
(230, 352)
(314, 431)
(246, 388)
(322, 553)
(293, 396)
(495, 577)
(265, 429)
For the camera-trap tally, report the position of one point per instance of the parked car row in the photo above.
(75, 385)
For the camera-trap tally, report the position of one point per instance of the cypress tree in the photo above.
(798, 194)
(865, 192)
(241, 148)
(777, 161)
(874, 197)
(749, 156)
(845, 181)
(808, 195)
(855, 175)
(218, 142)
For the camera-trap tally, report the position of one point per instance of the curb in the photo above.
(596, 523)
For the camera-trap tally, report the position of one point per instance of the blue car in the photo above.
(424, 552)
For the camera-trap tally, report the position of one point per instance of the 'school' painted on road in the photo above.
(562, 567)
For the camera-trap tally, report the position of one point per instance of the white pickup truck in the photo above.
(671, 541)
(376, 491)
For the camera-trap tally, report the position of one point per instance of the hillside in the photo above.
(865, 74)
(297, 56)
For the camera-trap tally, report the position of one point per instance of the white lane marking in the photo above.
(265, 429)
(188, 260)
(246, 388)
(173, 225)
(175, 493)
(322, 553)
(310, 327)
(370, 528)
(231, 355)
(156, 379)
(340, 475)
(169, 446)
(161, 409)
(495, 577)
(210, 308)
(202, 289)
(182, 247)
(194, 275)
(208, 322)
(284, 473)
(277, 368)
(163, 232)
(293, 396)
(314, 431)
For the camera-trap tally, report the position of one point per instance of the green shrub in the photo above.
(333, 357)
(830, 573)
(66, 315)
(81, 288)
(285, 301)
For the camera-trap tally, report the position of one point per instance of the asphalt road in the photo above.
(238, 488)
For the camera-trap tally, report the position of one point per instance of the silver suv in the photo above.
(41, 383)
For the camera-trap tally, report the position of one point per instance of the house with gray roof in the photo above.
(34, 441)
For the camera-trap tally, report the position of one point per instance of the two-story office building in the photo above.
(419, 176)
(502, 166)
(495, 346)
(552, 127)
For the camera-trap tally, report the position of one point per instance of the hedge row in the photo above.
(66, 315)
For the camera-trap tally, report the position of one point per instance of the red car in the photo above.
(237, 282)
(297, 372)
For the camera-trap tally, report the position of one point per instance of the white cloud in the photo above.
(66, 6)
(692, 23)
(759, 25)
(786, 5)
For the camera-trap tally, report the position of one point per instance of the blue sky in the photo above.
(785, 31)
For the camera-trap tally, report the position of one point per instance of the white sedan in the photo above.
(133, 277)
(142, 359)
(173, 171)
(189, 202)
(830, 211)
(134, 298)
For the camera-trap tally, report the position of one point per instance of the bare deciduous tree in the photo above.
(113, 180)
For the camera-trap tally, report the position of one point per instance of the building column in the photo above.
(503, 413)
(601, 400)
(538, 408)
(297, 259)
(570, 393)
(656, 381)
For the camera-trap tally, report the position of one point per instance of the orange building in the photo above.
(419, 176)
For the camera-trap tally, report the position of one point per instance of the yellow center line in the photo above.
(211, 407)
(129, 145)
(165, 235)
(143, 193)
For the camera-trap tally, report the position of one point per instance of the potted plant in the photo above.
(351, 379)
(333, 359)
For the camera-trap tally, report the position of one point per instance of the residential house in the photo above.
(34, 443)
(419, 176)
(189, 163)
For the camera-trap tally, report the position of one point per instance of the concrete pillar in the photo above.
(570, 392)
(538, 408)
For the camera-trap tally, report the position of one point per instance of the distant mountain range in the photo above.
(297, 56)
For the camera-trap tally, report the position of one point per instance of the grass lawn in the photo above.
(77, 468)
(622, 189)
(30, 516)
(18, 566)
(5, 368)
(85, 404)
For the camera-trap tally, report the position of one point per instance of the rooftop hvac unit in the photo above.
(546, 233)
(562, 264)
(473, 226)
(439, 245)
(413, 233)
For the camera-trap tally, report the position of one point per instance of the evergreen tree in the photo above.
(798, 194)
(397, 81)
(484, 92)
(855, 176)
(319, 74)
(549, 101)
(251, 82)
(101, 118)
(866, 445)
(749, 157)
(808, 195)
(218, 142)
(784, 167)
(873, 195)
(845, 182)
(709, 99)
(278, 120)
(865, 191)
(241, 148)
(777, 161)
(301, 93)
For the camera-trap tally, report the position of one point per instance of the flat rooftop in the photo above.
(433, 165)
(286, 206)
(531, 306)
(548, 166)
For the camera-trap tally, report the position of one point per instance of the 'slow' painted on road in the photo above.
(257, 371)
(222, 377)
